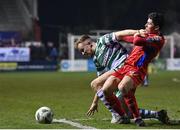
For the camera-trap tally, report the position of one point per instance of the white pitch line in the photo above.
(76, 124)
(106, 119)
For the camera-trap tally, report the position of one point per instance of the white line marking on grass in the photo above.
(76, 124)
(106, 119)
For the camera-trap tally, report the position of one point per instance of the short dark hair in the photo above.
(157, 18)
(80, 40)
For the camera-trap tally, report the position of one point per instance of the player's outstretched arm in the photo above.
(128, 35)
(128, 32)
(93, 107)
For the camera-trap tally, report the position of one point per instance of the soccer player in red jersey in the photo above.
(147, 44)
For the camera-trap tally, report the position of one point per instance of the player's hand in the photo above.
(92, 109)
(141, 33)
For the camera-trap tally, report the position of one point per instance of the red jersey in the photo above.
(145, 49)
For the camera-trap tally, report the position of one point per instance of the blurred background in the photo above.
(40, 34)
(38, 60)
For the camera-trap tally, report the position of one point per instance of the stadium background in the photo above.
(36, 25)
(38, 35)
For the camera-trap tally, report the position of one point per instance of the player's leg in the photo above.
(144, 113)
(115, 118)
(97, 83)
(147, 113)
(119, 95)
(128, 88)
(160, 115)
(110, 100)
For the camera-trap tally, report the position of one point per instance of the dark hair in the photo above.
(80, 40)
(157, 18)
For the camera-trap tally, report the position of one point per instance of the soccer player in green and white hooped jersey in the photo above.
(108, 55)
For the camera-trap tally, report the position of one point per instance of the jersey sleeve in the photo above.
(141, 41)
(128, 39)
(108, 39)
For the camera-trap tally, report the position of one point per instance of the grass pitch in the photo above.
(70, 95)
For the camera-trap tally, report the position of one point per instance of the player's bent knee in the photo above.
(95, 85)
(126, 85)
(108, 91)
(123, 88)
(110, 85)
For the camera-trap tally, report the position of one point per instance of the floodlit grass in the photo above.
(69, 95)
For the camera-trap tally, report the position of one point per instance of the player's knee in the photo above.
(107, 91)
(123, 88)
(95, 85)
(110, 86)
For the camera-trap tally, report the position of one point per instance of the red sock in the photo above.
(115, 104)
(130, 100)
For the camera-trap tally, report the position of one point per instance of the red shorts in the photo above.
(136, 74)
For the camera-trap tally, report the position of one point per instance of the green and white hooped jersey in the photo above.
(109, 54)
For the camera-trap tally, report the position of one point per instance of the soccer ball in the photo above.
(44, 115)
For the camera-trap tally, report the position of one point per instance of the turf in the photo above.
(70, 95)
